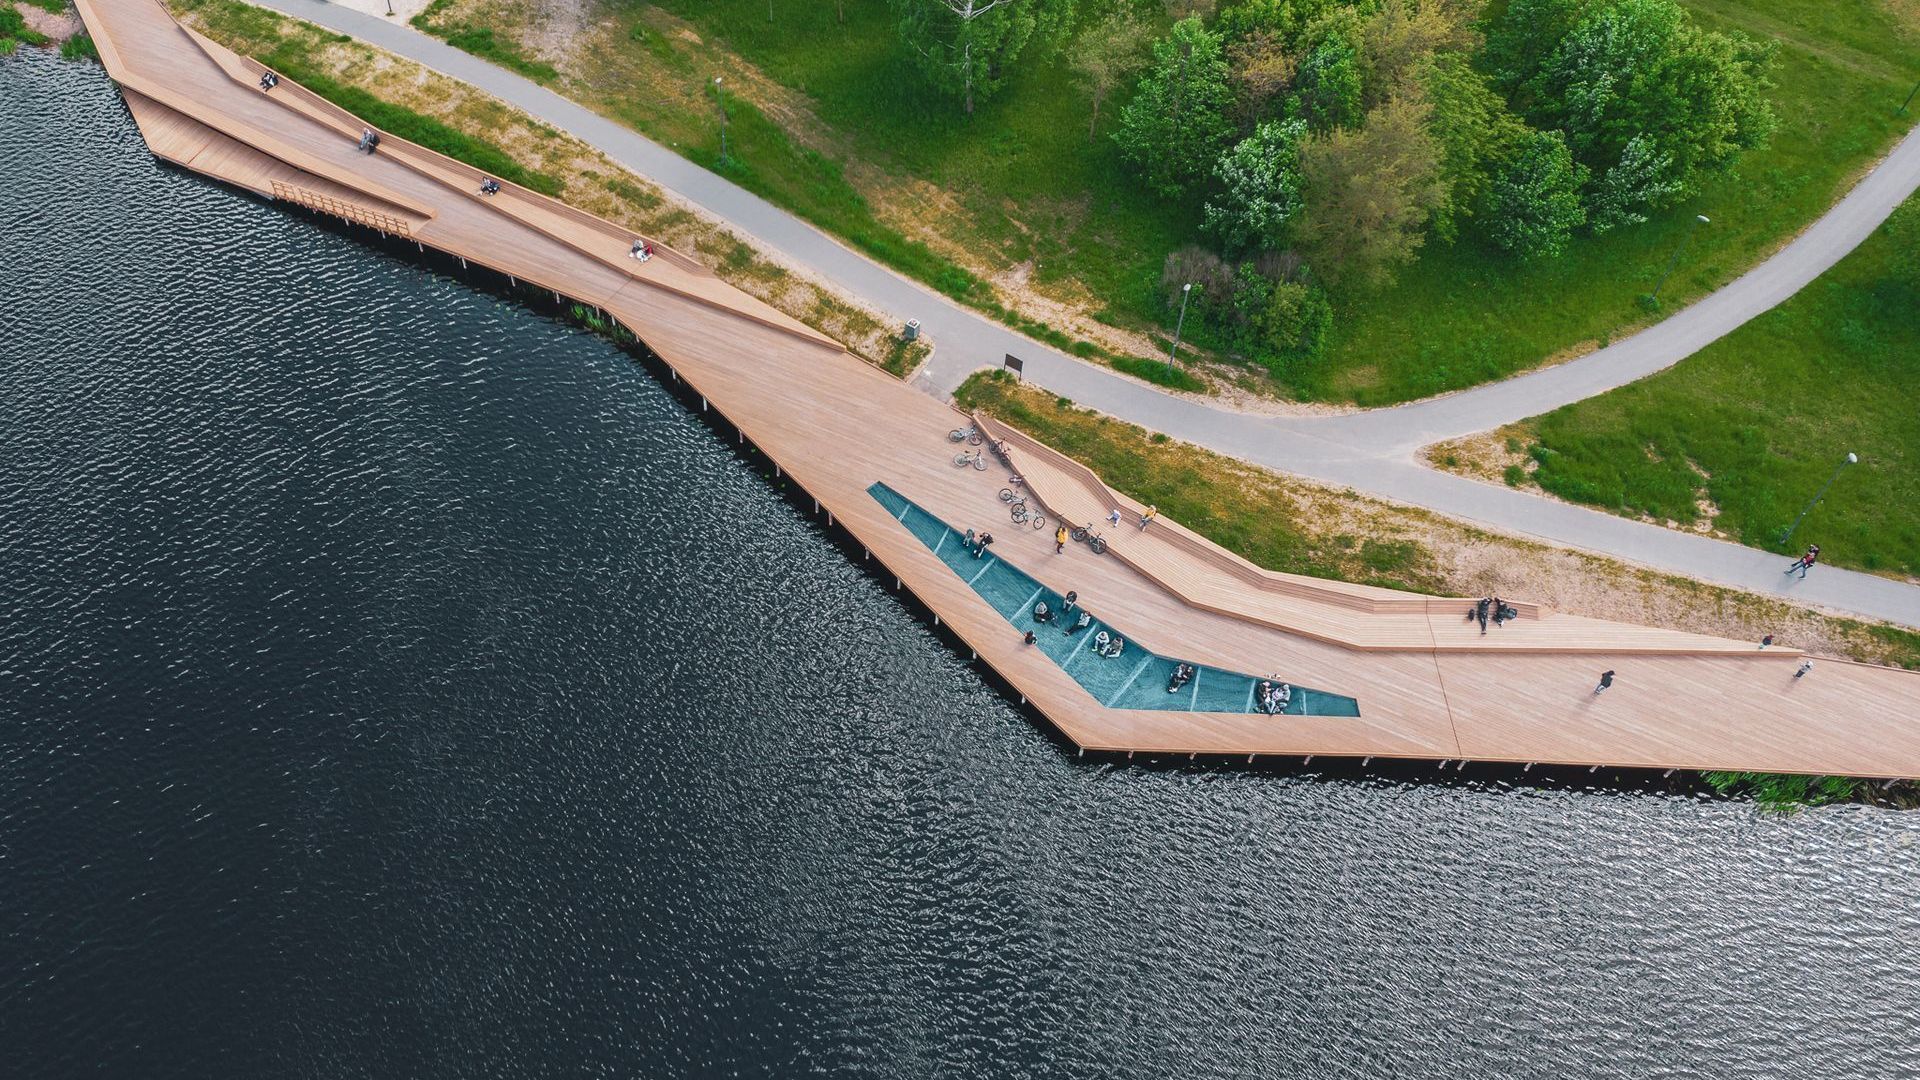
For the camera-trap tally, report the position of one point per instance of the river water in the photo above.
(395, 682)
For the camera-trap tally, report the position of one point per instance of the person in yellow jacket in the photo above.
(1059, 539)
(1146, 519)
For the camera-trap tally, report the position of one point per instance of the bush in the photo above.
(1295, 322)
(1158, 372)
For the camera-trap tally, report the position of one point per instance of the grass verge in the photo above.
(1739, 437)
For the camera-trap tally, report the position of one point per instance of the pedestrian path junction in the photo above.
(1372, 673)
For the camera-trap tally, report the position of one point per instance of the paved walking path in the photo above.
(1371, 451)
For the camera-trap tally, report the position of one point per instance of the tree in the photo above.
(1108, 54)
(1534, 206)
(970, 45)
(1176, 124)
(1641, 180)
(1369, 192)
(1260, 181)
(1286, 20)
(1476, 132)
(1398, 42)
(1327, 89)
(1261, 70)
(1641, 69)
(1521, 38)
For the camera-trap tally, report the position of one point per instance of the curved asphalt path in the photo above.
(1373, 451)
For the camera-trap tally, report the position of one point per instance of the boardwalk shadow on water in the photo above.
(396, 683)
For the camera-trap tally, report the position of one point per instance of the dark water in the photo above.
(396, 683)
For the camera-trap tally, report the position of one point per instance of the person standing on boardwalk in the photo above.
(1146, 519)
(980, 548)
(1480, 611)
(1029, 638)
(1766, 641)
(1805, 666)
(1606, 680)
(1059, 539)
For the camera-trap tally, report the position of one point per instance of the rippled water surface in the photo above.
(397, 683)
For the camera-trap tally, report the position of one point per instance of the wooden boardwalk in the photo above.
(1428, 684)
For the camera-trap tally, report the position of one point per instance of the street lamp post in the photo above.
(1698, 220)
(1909, 101)
(720, 100)
(1850, 459)
(1185, 291)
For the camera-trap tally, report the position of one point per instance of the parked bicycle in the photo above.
(1086, 535)
(1017, 507)
(969, 435)
(977, 459)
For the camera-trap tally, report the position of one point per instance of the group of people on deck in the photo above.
(1499, 608)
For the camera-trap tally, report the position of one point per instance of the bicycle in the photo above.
(1086, 535)
(1017, 507)
(969, 435)
(976, 459)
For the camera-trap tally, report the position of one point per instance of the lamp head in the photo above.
(1704, 219)
(1853, 459)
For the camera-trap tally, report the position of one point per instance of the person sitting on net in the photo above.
(1042, 613)
(489, 186)
(1113, 647)
(1085, 620)
(1182, 674)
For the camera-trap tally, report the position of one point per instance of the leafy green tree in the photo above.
(1369, 192)
(1261, 69)
(1534, 206)
(1176, 125)
(1295, 321)
(1521, 37)
(1641, 179)
(1400, 40)
(1285, 19)
(1327, 88)
(1640, 68)
(1260, 187)
(1476, 132)
(968, 46)
(1107, 54)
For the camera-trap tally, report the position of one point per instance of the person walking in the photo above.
(1480, 612)
(1059, 539)
(1805, 666)
(1606, 680)
(1805, 562)
(1146, 519)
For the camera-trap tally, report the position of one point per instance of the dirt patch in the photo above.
(56, 28)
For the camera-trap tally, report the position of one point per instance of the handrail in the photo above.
(341, 208)
(1241, 570)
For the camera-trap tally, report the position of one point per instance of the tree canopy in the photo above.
(967, 47)
(1260, 181)
(1176, 125)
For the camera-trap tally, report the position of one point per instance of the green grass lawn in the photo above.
(1033, 191)
(1758, 421)
(1458, 317)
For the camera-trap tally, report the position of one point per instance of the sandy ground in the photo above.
(402, 9)
(57, 27)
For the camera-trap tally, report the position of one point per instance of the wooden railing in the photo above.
(341, 208)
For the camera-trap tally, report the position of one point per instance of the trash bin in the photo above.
(912, 332)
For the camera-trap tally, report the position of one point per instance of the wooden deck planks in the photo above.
(1427, 685)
